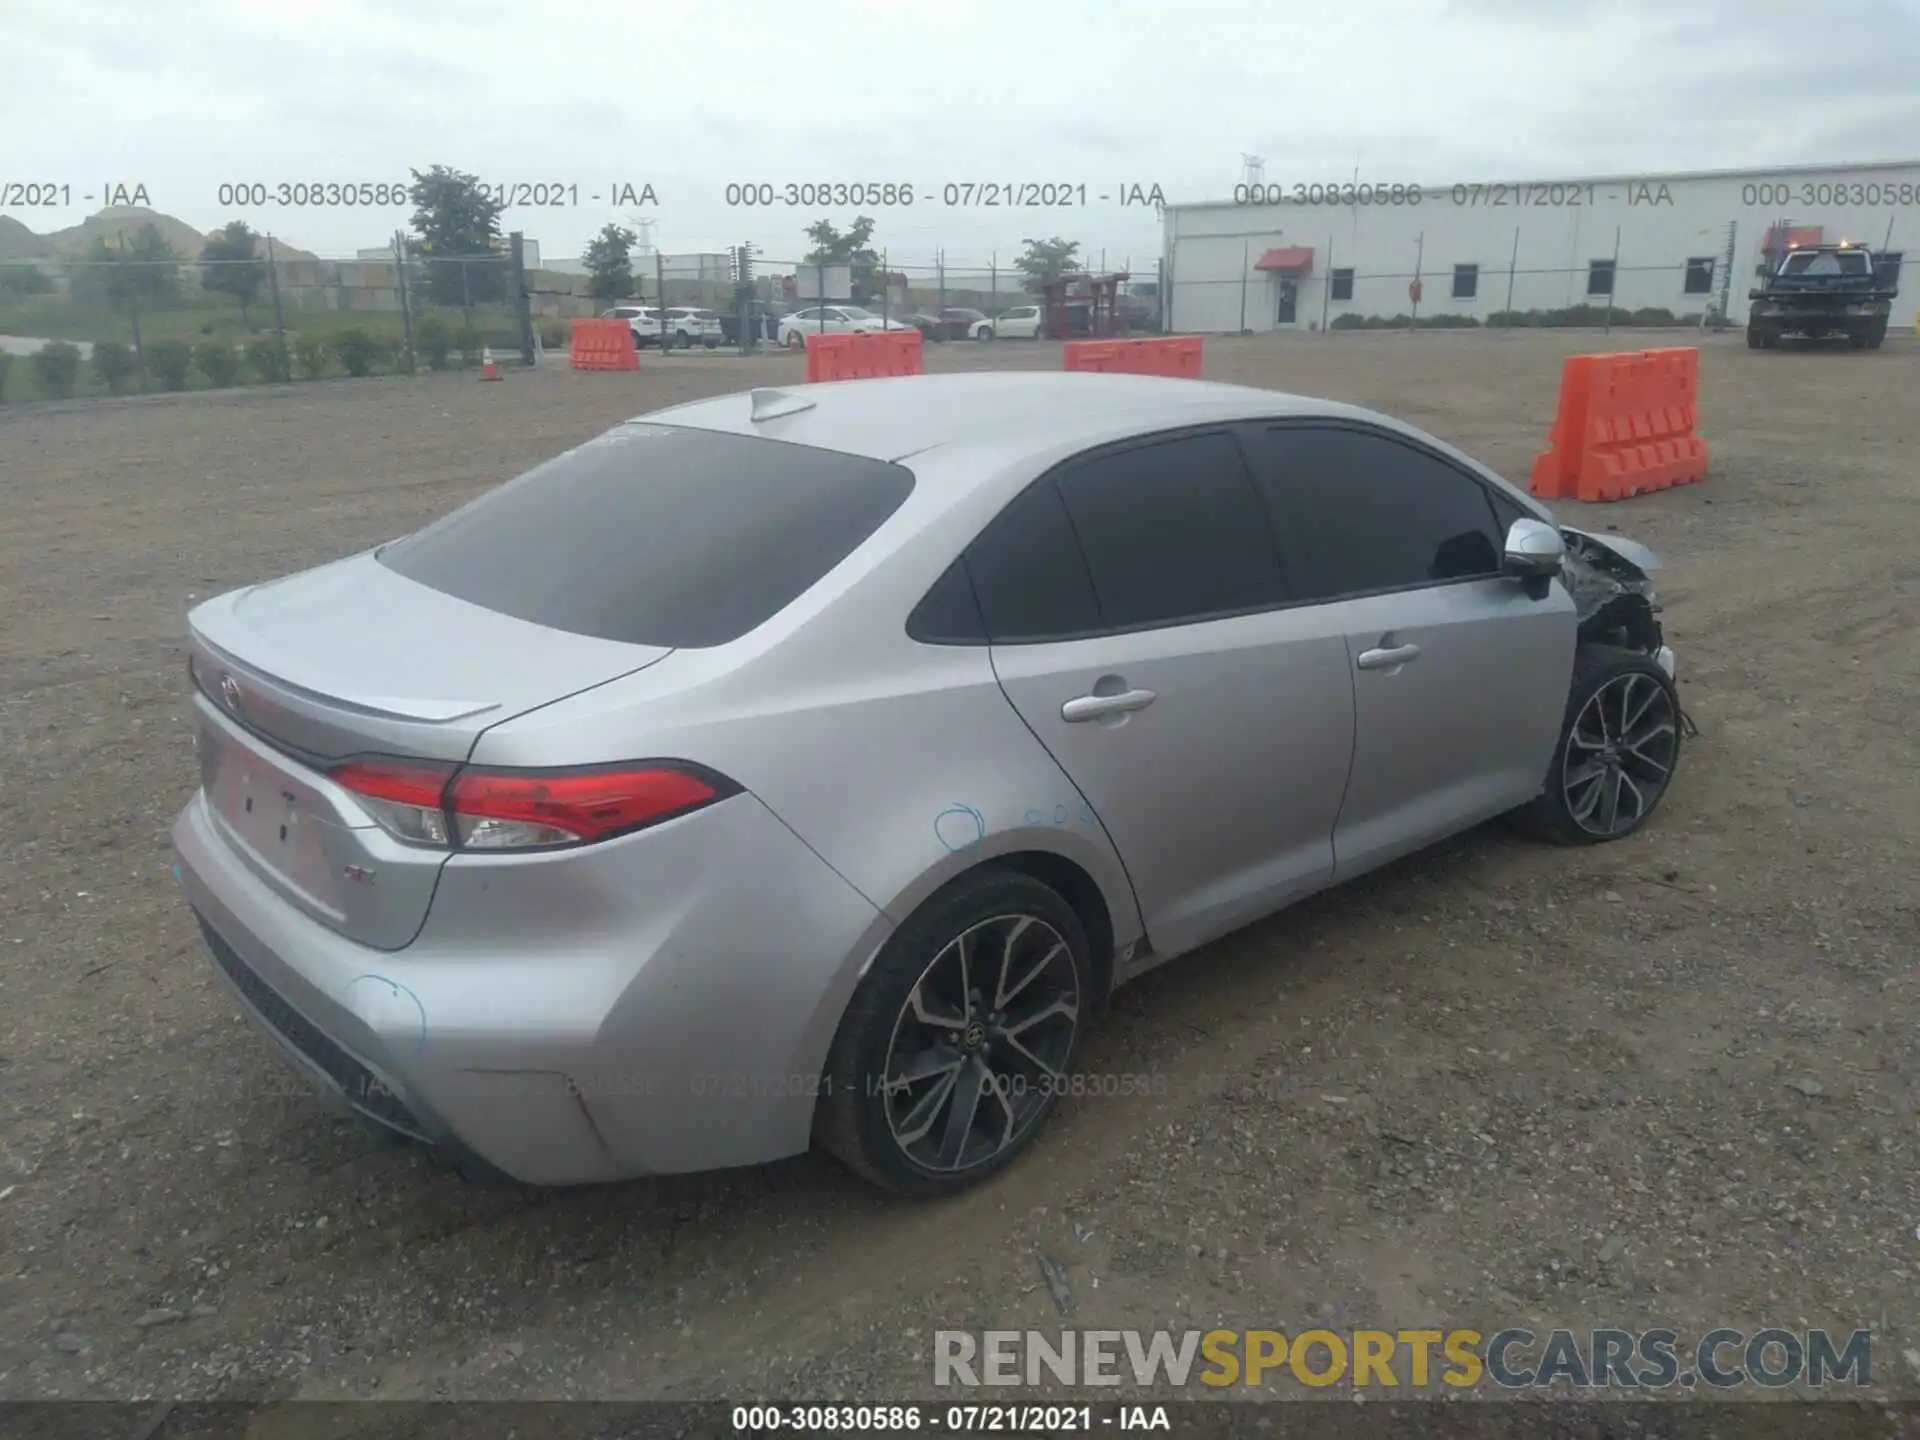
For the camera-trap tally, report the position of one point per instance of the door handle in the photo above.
(1095, 707)
(1388, 658)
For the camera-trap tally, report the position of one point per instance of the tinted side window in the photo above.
(1359, 512)
(1172, 531)
(948, 614)
(1505, 512)
(655, 535)
(1028, 574)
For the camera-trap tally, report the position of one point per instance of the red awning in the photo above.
(1288, 257)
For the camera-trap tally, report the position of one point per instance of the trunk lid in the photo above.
(355, 659)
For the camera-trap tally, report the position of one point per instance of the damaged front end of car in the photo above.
(1611, 582)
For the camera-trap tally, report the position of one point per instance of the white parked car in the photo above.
(644, 322)
(1020, 323)
(688, 325)
(833, 320)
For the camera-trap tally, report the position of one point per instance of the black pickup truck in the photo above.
(1822, 290)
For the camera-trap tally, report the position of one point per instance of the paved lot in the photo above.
(1671, 1081)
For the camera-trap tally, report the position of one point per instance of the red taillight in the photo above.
(480, 809)
(405, 796)
(507, 809)
(402, 782)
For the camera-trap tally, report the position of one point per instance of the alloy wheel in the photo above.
(1620, 754)
(982, 1043)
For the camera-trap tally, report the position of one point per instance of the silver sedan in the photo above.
(809, 766)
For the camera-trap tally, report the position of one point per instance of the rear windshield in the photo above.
(656, 535)
(1813, 263)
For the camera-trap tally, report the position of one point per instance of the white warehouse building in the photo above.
(1286, 255)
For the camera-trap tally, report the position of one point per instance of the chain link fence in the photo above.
(1217, 284)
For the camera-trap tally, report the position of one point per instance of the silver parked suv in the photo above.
(811, 765)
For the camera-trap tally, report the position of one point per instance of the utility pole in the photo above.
(133, 302)
(406, 301)
(1613, 280)
(1246, 260)
(1419, 257)
(517, 249)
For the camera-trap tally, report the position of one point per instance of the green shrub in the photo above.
(360, 352)
(218, 361)
(56, 366)
(115, 363)
(311, 356)
(469, 340)
(6, 364)
(269, 360)
(170, 362)
(432, 341)
(555, 333)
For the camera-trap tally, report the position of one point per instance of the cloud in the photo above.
(193, 93)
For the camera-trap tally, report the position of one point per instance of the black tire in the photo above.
(1554, 815)
(858, 1122)
(796, 341)
(986, 333)
(1758, 339)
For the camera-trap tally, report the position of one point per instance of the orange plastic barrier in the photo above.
(864, 357)
(1176, 355)
(603, 345)
(1625, 427)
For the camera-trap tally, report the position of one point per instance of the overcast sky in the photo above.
(183, 95)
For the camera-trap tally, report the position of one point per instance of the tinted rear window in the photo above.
(655, 535)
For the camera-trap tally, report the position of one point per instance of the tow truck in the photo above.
(1822, 290)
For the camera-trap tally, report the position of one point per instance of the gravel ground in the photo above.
(1666, 1082)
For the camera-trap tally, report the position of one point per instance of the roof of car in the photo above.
(893, 418)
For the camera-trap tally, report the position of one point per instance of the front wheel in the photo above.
(796, 341)
(985, 333)
(961, 1037)
(1619, 747)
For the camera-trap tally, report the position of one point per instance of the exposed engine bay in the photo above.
(1612, 587)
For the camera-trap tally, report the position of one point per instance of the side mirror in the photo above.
(1535, 550)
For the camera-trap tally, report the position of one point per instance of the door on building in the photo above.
(1288, 312)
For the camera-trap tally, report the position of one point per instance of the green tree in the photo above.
(454, 218)
(433, 342)
(56, 365)
(360, 351)
(115, 363)
(144, 268)
(23, 277)
(218, 360)
(229, 265)
(270, 360)
(852, 248)
(171, 363)
(609, 261)
(312, 355)
(1042, 260)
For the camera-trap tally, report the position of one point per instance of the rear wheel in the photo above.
(1759, 339)
(1619, 747)
(961, 1037)
(796, 341)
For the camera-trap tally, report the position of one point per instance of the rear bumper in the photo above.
(642, 1008)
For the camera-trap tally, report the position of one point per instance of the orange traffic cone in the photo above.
(488, 370)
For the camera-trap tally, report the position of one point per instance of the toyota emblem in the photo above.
(230, 692)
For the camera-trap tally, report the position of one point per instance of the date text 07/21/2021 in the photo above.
(1364, 194)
